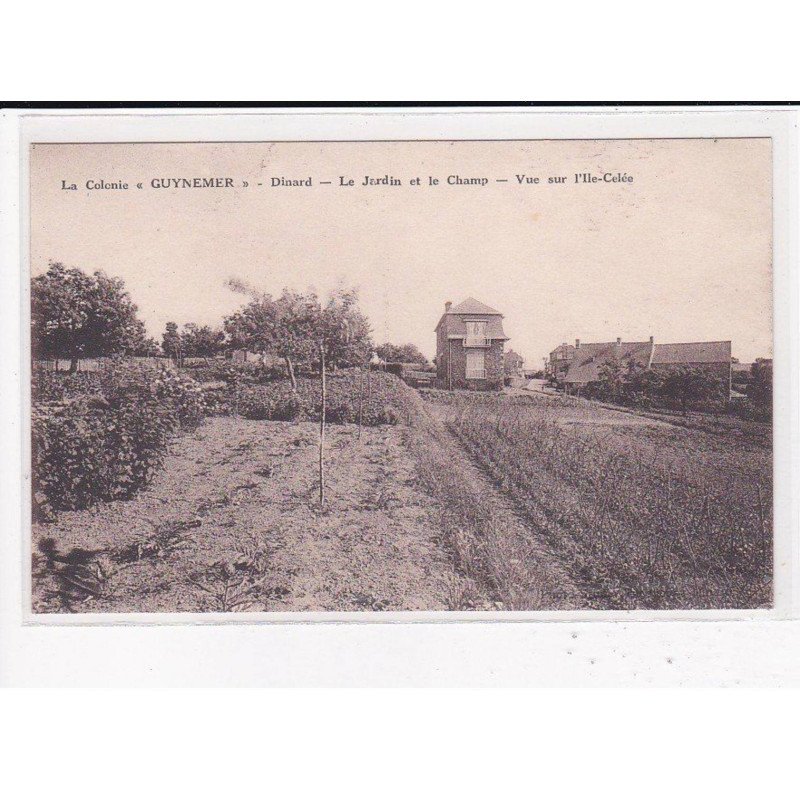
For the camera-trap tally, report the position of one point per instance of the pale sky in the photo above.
(682, 253)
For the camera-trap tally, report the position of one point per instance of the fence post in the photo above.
(322, 428)
(360, 398)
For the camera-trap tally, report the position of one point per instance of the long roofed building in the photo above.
(581, 365)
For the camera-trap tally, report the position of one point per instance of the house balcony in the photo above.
(476, 374)
(477, 341)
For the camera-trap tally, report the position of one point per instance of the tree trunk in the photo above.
(73, 365)
(290, 371)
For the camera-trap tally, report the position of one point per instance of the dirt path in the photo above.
(232, 523)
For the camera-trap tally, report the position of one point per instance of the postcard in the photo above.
(401, 376)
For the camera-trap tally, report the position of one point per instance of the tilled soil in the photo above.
(233, 523)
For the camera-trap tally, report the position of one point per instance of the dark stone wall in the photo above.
(493, 363)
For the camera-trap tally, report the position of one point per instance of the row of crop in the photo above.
(636, 533)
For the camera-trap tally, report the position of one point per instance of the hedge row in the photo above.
(101, 436)
(383, 399)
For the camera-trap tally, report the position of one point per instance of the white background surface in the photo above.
(425, 744)
(380, 745)
(640, 648)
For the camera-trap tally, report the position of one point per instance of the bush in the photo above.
(47, 385)
(276, 401)
(107, 442)
(237, 372)
(183, 395)
(745, 408)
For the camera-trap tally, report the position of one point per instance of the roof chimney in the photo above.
(577, 344)
(447, 307)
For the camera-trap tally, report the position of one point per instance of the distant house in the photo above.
(588, 359)
(469, 346)
(514, 364)
(559, 361)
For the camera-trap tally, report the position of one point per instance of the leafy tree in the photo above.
(642, 387)
(283, 327)
(345, 330)
(148, 346)
(201, 340)
(689, 386)
(628, 384)
(612, 380)
(404, 353)
(75, 315)
(295, 325)
(759, 390)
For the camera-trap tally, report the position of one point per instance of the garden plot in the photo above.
(232, 523)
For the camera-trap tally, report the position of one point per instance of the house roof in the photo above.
(692, 353)
(473, 306)
(591, 357)
(455, 320)
(563, 350)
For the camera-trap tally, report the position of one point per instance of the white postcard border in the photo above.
(18, 130)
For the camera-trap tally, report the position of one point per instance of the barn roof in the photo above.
(591, 357)
(692, 353)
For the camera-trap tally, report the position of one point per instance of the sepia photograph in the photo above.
(401, 376)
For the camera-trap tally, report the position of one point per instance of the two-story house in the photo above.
(469, 347)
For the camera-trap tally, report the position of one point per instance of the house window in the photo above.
(476, 329)
(476, 334)
(476, 364)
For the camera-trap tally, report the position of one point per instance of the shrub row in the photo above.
(383, 398)
(233, 372)
(102, 437)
